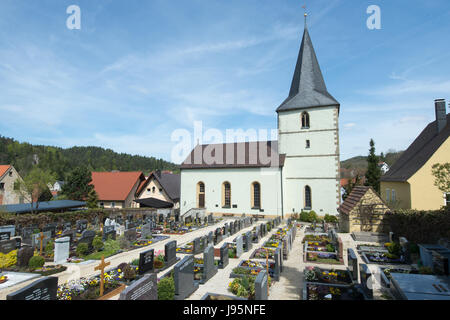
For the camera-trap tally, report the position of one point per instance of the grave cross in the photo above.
(101, 268)
(41, 238)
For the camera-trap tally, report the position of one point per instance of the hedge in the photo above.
(419, 226)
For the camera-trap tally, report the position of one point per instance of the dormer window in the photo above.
(305, 120)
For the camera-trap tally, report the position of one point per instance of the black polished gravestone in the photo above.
(87, 237)
(261, 283)
(203, 243)
(256, 234)
(183, 276)
(170, 253)
(5, 236)
(109, 232)
(352, 264)
(209, 268)
(224, 258)
(7, 246)
(366, 276)
(277, 269)
(81, 225)
(145, 288)
(217, 235)
(146, 260)
(50, 227)
(43, 289)
(72, 234)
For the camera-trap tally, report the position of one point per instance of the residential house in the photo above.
(384, 167)
(8, 176)
(409, 183)
(160, 190)
(117, 189)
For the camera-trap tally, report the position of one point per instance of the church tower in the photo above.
(308, 134)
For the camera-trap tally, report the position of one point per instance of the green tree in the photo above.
(441, 173)
(77, 186)
(92, 199)
(373, 173)
(33, 186)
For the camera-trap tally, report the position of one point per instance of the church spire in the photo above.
(308, 88)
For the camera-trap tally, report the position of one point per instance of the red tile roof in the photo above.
(115, 186)
(3, 169)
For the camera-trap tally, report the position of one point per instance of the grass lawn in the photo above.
(98, 255)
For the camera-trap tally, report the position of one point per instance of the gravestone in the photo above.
(257, 234)
(109, 232)
(392, 237)
(203, 243)
(210, 237)
(217, 236)
(209, 269)
(340, 250)
(352, 264)
(27, 232)
(183, 277)
(210, 218)
(130, 234)
(239, 246)
(277, 269)
(62, 248)
(170, 253)
(87, 237)
(81, 225)
(404, 243)
(72, 234)
(196, 248)
(7, 246)
(43, 289)
(24, 255)
(224, 258)
(145, 288)
(365, 275)
(10, 228)
(67, 226)
(146, 230)
(146, 260)
(5, 236)
(51, 228)
(248, 242)
(261, 283)
(130, 225)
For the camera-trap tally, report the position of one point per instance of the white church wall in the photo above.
(240, 180)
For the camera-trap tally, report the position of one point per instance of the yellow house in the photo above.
(409, 183)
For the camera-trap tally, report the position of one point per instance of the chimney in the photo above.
(441, 114)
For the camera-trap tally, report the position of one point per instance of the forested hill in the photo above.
(23, 156)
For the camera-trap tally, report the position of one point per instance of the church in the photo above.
(298, 172)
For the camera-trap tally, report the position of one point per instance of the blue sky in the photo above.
(138, 70)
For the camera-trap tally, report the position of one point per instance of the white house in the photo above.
(298, 172)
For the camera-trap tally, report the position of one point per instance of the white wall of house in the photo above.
(316, 166)
(7, 193)
(240, 180)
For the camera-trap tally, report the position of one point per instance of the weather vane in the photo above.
(306, 15)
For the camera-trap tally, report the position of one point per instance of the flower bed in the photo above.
(317, 238)
(50, 269)
(319, 275)
(187, 248)
(232, 253)
(314, 291)
(322, 257)
(261, 253)
(3, 279)
(272, 244)
(382, 258)
(245, 287)
(372, 247)
(85, 289)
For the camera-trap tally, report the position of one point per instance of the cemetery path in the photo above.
(219, 283)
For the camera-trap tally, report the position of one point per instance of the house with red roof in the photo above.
(117, 189)
(8, 176)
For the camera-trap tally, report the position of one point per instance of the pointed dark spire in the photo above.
(308, 88)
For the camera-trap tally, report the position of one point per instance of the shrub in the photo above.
(82, 249)
(330, 248)
(330, 219)
(36, 262)
(135, 262)
(8, 260)
(394, 248)
(123, 242)
(97, 243)
(166, 289)
(310, 216)
(128, 272)
(111, 245)
(49, 247)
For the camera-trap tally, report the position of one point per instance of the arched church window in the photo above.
(256, 195)
(305, 120)
(200, 195)
(308, 205)
(226, 195)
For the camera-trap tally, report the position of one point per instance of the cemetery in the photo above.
(220, 259)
